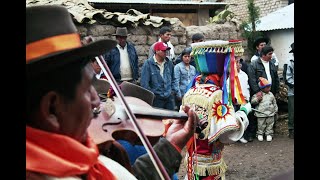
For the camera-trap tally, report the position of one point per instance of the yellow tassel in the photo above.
(215, 169)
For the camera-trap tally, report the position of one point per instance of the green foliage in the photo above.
(249, 27)
(222, 16)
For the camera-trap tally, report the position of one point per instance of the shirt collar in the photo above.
(155, 60)
(119, 47)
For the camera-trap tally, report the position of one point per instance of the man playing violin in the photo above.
(61, 102)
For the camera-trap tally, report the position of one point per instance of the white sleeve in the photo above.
(117, 170)
(275, 58)
(234, 136)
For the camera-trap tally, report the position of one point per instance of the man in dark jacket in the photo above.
(123, 59)
(262, 67)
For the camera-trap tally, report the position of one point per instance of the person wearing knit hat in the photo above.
(263, 83)
(263, 67)
(266, 109)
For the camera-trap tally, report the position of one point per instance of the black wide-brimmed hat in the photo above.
(259, 40)
(52, 40)
(292, 48)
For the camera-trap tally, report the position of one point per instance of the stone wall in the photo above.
(266, 6)
(144, 36)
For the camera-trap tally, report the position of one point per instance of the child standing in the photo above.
(265, 110)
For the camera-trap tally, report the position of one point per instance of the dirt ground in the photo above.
(258, 160)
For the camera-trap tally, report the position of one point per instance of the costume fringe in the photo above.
(215, 169)
(219, 168)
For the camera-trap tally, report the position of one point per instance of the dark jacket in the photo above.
(244, 66)
(256, 70)
(168, 155)
(113, 60)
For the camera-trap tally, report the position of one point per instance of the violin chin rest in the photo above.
(130, 89)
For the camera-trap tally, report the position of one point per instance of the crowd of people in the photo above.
(62, 101)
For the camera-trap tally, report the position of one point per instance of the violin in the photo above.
(112, 123)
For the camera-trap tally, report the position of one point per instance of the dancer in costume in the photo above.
(212, 101)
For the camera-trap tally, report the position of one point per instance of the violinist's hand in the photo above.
(181, 131)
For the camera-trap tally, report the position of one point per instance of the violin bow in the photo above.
(153, 156)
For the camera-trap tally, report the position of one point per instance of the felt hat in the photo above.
(259, 40)
(263, 82)
(121, 31)
(292, 48)
(51, 45)
(160, 46)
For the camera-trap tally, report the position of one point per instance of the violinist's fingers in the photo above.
(192, 120)
(180, 132)
(186, 108)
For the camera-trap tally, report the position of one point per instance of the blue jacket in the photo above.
(113, 61)
(183, 77)
(152, 80)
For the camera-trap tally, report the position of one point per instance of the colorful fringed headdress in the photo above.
(217, 58)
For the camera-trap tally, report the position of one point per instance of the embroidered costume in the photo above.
(212, 101)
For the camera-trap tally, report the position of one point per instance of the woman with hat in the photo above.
(61, 102)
